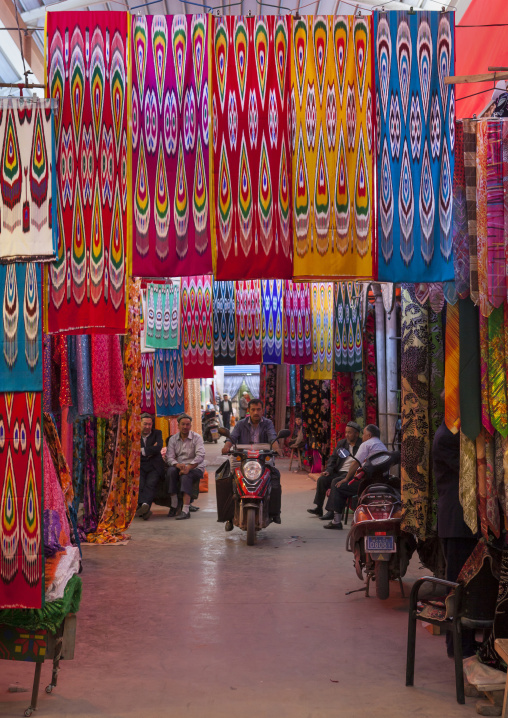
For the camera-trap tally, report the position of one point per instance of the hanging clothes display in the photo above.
(162, 323)
(469, 369)
(170, 154)
(84, 374)
(224, 324)
(87, 73)
(470, 179)
(107, 376)
(348, 328)
(21, 501)
(147, 379)
(459, 218)
(297, 323)
(272, 304)
(192, 400)
(21, 331)
(27, 206)
(249, 348)
(251, 149)
(332, 114)
(416, 141)
(322, 331)
(197, 327)
(168, 384)
(452, 368)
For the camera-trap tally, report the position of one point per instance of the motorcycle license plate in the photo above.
(380, 544)
(215, 434)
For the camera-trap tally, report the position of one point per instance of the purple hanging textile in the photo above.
(459, 223)
(495, 215)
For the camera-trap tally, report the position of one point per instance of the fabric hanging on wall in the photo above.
(459, 218)
(192, 400)
(224, 324)
(87, 73)
(108, 382)
(344, 401)
(325, 437)
(21, 501)
(332, 115)
(467, 481)
(21, 330)
(123, 494)
(470, 178)
(272, 303)
(251, 148)
(108, 460)
(488, 508)
(359, 399)
(348, 328)
(163, 316)
(168, 385)
(56, 525)
(249, 348)
(297, 323)
(497, 371)
(147, 378)
(482, 227)
(170, 133)
(416, 142)
(57, 455)
(280, 399)
(197, 327)
(484, 374)
(469, 369)
(496, 262)
(436, 402)
(27, 209)
(144, 321)
(369, 344)
(89, 487)
(84, 375)
(270, 390)
(452, 362)
(78, 468)
(311, 411)
(487, 652)
(322, 331)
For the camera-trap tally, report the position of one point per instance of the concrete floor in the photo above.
(187, 620)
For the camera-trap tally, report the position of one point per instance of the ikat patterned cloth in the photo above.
(87, 73)
(332, 146)
(197, 327)
(251, 149)
(348, 328)
(249, 345)
(297, 323)
(21, 330)
(21, 501)
(224, 324)
(27, 180)
(168, 382)
(272, 319)
(322, 331)
(147, 378)
(170, 153)
(163, 316)
(415, 114)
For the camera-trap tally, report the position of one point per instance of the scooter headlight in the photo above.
(252, 470)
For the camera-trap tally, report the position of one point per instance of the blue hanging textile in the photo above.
(272, 328)
(20, 330)
(415, 114)
(224, 324)
(168, 382)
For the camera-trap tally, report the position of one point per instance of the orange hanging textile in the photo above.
(452, 402)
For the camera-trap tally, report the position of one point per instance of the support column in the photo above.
(381, 362)
(391, 373)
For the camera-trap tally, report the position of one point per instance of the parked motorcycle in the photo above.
(249, 477)
(381, 549)
(210, 423)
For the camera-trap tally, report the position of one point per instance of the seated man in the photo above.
(349, 486)
(152, 465)
(336, 467)
(257, 429)
(185, 457)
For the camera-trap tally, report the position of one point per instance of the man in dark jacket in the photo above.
(152, 465)
(225, 408)
(336, 467)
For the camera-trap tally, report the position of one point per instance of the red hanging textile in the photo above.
(248, 322)
(197, 327)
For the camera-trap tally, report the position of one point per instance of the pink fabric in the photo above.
(108, 383)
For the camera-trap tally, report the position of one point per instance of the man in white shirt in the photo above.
(226, 408)
(185, 457)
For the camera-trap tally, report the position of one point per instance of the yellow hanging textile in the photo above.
(452, 401)
(321, 302)
(332, 140)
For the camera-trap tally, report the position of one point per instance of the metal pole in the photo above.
(381, 363)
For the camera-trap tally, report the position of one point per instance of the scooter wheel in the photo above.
(382, 580)
(251, 527)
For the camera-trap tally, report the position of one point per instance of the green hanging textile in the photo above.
(497, 371)
(469, 368)
(467, 481)
(359, 398)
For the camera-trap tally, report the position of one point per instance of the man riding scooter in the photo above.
(257, 429)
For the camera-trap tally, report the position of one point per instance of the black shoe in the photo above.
(276, 519)
(173, 512)
(326, 517)
(147, 515)
(317, 511)
(228, 526)
(183, 516)
(331, 525)
(193, 508)
(142, 510)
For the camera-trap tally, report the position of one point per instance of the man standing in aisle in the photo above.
(244, 405)
(152, 465)
(225, 408)
(185, 457)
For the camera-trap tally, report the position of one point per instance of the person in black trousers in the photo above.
(152, 466)
(225, 408)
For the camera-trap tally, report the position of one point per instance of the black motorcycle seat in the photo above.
(380, 489)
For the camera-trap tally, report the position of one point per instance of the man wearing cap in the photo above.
(185, 457)
(152, 465)
(337, 466)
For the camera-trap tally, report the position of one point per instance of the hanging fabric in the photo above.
(348, 328)
(108, 384)
(84, 375)
(322, 331)
(332, 115)
(470, 178)
(87, 73)
(469, 369)
(224, 324)
(163, 316)
(497, 371)
(27, 180)
(416, 143)
(21, 331)
(459, 219)
(482, 237)
(170, 154)
(452, 364)
(272, 303)
(297, 323)
(147, 379)
(249, 348)
(144, 322)
(369, 343)
(192, 400)
(496, 261)
(467, 481)
(484, 374)
(168, 384)
(197, 327)
(270, 390)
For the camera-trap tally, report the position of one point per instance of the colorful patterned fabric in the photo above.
(322, 331)
(482, 237)
(21, 501)
(224, 324)
(359, 398)
(416, 142)
(84, 375)
(297, 323)
(369, 344)
(269, 390)
(27, 209)
(348, 328)
(344, 402)
(21, 329)
(170, 134)
(484, 374)
(197, 327)
(470, 177)
(436, 402)
(87, 73)
(487, 653)
(496, 261)
(192, 400)
(249, 348)
(452, 362)
(469, 369)
(332, 114)
(147, 379)
(251, 148)
(488, 508)
(459, 219)
(168, 384)
(497, 371)
(272, 302)
(107, 376)
(467, 481)
(163, 316)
